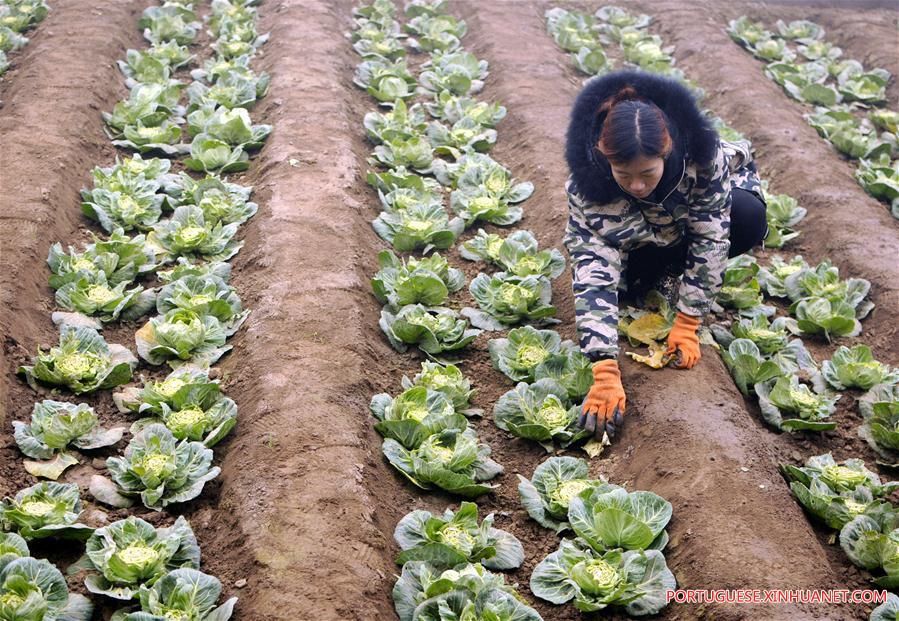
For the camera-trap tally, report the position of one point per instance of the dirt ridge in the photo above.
(47, 153)
(295, 475)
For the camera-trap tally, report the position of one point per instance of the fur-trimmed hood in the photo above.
(694, 137)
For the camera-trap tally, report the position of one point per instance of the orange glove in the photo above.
(604, 405)
(684, 341)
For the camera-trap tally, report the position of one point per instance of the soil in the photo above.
(305, 507)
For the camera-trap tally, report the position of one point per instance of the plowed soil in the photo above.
(305, 507)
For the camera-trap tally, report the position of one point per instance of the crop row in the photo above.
(16, 17)
(183, 414)
(847, 97)
(793, 391)
(446, 559)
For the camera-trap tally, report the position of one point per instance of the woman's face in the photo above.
(640, 176)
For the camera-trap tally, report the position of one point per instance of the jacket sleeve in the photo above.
(596, 265)
(708, 237)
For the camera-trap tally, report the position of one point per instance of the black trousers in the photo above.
(748, 227)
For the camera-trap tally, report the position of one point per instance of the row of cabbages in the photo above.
(183, 414)
(853, 500)
(846, 96)
(586, 36)
(16, 17)
(793, 391)
(447, 559)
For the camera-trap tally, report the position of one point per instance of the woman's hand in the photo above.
(684, 341)
(604, 406)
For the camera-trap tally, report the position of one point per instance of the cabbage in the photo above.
(460, 73)
(118, 259)
(519, 354)
(169, 23)
(747, 365)
(56, 425)
(130, 553)
(384, 80)
(556, 482)
(196, 412)
(636, 580)
(414, 415)
(839, 477)
(464, 136)
(182, 335)
(157, 468)
(424, 591)
(448, 380)
(506, 300)
(414, 152)
(426, 281)
(452, 108)
(541, 412)
(400, 123)
(787, 396)
(856, 368)
(773, 277)
(452, 460)
(44, 510)
(83, 362)
(433, 330)
(204, 295)
(456, 537)
(189, 234)
(35, 590)
(182, 594)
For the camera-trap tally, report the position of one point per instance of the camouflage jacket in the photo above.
(605, 224)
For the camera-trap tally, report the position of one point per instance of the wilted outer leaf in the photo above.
(594, 447)
(657, 357)
(648, 329)
(106, 492)
(51, 468)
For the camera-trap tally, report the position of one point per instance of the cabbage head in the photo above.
(157, 468)
(522, 350)
(83, 362)
(549, 492)
(456, 537)
(635, 580)
(129, 553)
(47, 509)
(35, 590)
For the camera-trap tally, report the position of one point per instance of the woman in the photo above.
(654, 197)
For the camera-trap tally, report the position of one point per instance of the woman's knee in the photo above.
(748, 224)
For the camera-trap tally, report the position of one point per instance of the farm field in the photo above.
(299, 521)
